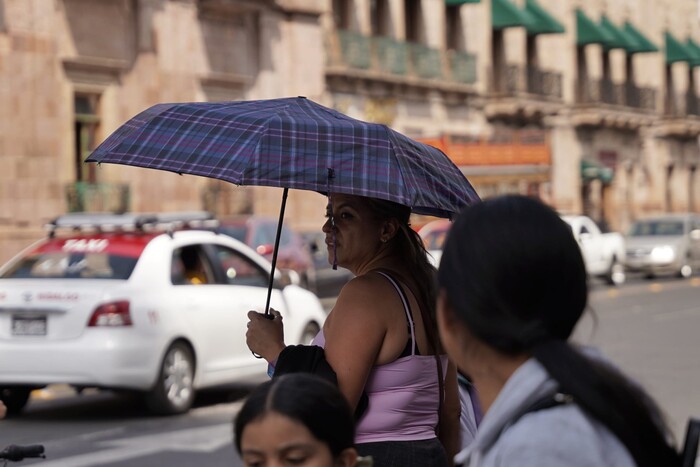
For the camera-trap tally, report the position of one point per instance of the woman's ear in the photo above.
(347, 458)
(390, 227)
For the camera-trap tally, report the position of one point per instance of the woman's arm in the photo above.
(449, 416)
(265, 336)
(354, 333)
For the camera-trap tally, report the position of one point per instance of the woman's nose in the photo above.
(327, 226)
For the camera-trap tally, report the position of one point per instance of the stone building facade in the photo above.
(591, 105)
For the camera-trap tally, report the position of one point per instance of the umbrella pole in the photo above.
(274, 252)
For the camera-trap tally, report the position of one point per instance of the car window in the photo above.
(240, 270)
(656, 228)
(80, 258)
(237, 232)
(190, 266)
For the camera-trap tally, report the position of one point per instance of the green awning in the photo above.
(677, 51)
(459, 2)
(695, 48)
(643, 45)
(621, 40)
(592, 170)
(504, 14)
(588, 32)
(542, 21)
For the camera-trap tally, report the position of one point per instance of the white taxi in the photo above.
(139, 302)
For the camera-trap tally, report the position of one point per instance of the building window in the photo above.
(669, 189)
(379, 11)
(692, 173)
(412, 11)
(453, 28)
(341, 14)
(87, 121)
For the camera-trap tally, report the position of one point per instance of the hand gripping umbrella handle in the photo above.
(274, 258)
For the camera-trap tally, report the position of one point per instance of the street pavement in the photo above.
(650, 329)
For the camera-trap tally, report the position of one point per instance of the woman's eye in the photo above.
(296, 460)
(345, 215)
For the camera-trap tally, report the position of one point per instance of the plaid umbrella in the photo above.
(290, 143)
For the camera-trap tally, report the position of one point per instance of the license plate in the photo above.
(29, 325)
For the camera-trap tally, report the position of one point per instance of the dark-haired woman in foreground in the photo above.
(297, 419)
(512, 288)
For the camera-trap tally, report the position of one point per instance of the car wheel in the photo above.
(616, 274)
(685, 271)
(309, 332)
(15, 399)
(173, 392)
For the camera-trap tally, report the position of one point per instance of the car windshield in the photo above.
(659, 228)
(237, 232)
(79, 258)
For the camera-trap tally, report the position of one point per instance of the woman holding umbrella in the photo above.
(380, 338)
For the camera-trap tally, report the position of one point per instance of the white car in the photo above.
(603, 252)
(120, 304)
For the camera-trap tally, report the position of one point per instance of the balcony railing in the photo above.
(530, 79)
(605, 91)
(385, 55)
(462, 66)
(355, 49)
(682, 104)
(391, 56)
(543, 83)
(98, 197)
(425, 61)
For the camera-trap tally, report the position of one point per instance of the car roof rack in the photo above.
(132, 222)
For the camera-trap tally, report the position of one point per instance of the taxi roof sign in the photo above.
(110, 222)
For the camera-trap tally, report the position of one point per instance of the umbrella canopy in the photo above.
(290, 143)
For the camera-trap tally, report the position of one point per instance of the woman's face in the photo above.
(358, 233)
(276, 440)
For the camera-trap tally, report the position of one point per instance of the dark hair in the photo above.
(307, 399)
(515, 277)
(411, 248)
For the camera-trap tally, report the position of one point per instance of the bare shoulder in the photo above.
(364, 296)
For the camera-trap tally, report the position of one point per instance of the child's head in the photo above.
(297, 417)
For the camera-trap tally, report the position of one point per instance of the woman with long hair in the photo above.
(512, 288)
(380, 338)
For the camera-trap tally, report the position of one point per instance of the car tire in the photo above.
(173, 392)
(685, 271)
(310, 331)
(15, 398)
(616, 273)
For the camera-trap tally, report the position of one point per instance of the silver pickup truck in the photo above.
(603, 253)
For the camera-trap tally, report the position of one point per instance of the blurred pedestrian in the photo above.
(3, 410)
(512, 288)
(380, 338)
(296, 419)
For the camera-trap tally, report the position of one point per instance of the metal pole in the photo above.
(274, 252)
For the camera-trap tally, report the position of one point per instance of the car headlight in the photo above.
(663, 254)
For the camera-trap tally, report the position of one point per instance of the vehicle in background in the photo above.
(325, 281)
(259, 233)
(664, 244)
(603, 253)
(152, 303)
(434, 234)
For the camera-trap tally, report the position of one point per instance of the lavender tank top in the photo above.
(403, 395)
